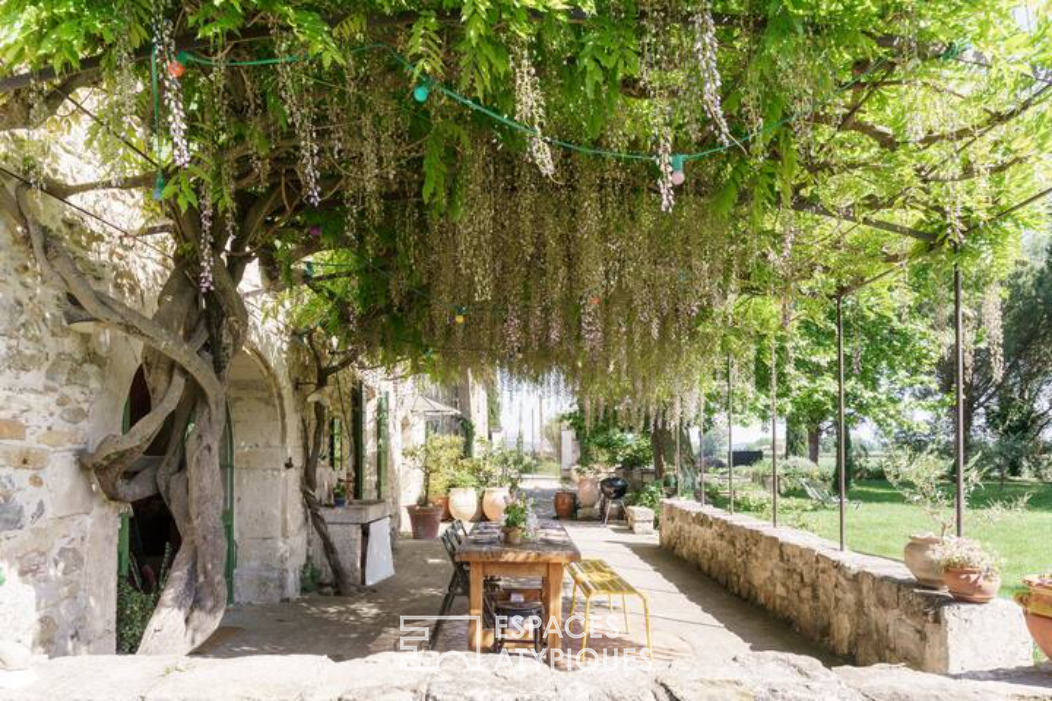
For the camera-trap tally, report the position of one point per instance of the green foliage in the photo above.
(921, 477)
(650, 496)
(135, 606)
(515, 515)
(310, 576)
(439, 458)
(606, 444)
(791, 472)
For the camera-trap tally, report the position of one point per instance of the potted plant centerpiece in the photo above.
(969, 572)
(515, 516)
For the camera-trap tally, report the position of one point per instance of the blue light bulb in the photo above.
(420, 92)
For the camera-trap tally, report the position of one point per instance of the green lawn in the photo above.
(883, 522)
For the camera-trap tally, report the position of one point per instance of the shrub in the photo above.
(438, 458)
(135, 606)
(791, 471)
(649, 496)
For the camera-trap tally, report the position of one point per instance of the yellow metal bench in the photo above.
(595, 577)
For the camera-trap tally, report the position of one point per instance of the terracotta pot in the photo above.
(1038, 599)
(969, 585)
(463, 503)
(587, 492)
(1041, 631)
(442, 501)
(564, 503)
(512, 536)
(425, 521)
(922, 563)
(494, 499)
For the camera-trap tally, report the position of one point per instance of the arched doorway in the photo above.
(148, 536)
(266, 493)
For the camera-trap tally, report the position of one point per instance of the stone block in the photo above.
(641, 519)
(12, 430)
(23, 458)
(258, 583)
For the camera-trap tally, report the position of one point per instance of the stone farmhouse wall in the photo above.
(866, 608)
(61, 392)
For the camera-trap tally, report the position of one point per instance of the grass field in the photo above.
(883, 522)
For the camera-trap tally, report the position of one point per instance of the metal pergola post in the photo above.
(730, 432)
(959, 392)
(774, 433)
(840, 423)
(701, 452)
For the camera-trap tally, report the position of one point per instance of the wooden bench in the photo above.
(596, 578)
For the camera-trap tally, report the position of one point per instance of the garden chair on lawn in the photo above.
(822, 496)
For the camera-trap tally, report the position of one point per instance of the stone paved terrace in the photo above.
(708, 645)
(691, 616)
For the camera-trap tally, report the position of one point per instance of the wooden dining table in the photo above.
(546, 557)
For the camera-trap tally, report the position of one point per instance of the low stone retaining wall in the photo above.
(863, 607)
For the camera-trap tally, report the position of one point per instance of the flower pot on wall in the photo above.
(564, 503)
(920, 560)
(494, 499)
(463, 503)
(1038, 597)
(970, 585)
(587, 492)
(1040, 628)
(425, 521)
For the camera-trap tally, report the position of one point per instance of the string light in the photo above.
(678, 176)
(421, 92)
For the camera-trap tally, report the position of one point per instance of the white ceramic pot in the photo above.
(463, 503)
(493, 502)
(922, 563)
(587, 492)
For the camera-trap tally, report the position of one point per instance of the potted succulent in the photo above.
(515, 514)
(565, 501)
(1037, 608)
(969, 572)
(463, 497)
(339, 494)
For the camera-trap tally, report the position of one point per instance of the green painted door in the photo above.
(226, 470)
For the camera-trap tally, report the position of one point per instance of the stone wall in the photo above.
(862, 607)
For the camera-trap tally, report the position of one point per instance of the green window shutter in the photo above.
(358, 426)
(381, 446)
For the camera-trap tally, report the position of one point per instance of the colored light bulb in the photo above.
(176, 69)
(420, 92)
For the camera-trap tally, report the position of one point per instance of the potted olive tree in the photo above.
(921, 479)
(436, 459)
(969, 572)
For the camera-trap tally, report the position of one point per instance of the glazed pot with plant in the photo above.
(463, 494)
(970, 573)
(339, 494)
(921, 478)
(515, 517)
(1037, 609)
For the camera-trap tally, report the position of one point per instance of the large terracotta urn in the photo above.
(564, 504)
(494, 499)
(1037, 607)
(587, 492)
(463, 503)
(970, 585)
(921, 562)
(1040, 628)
